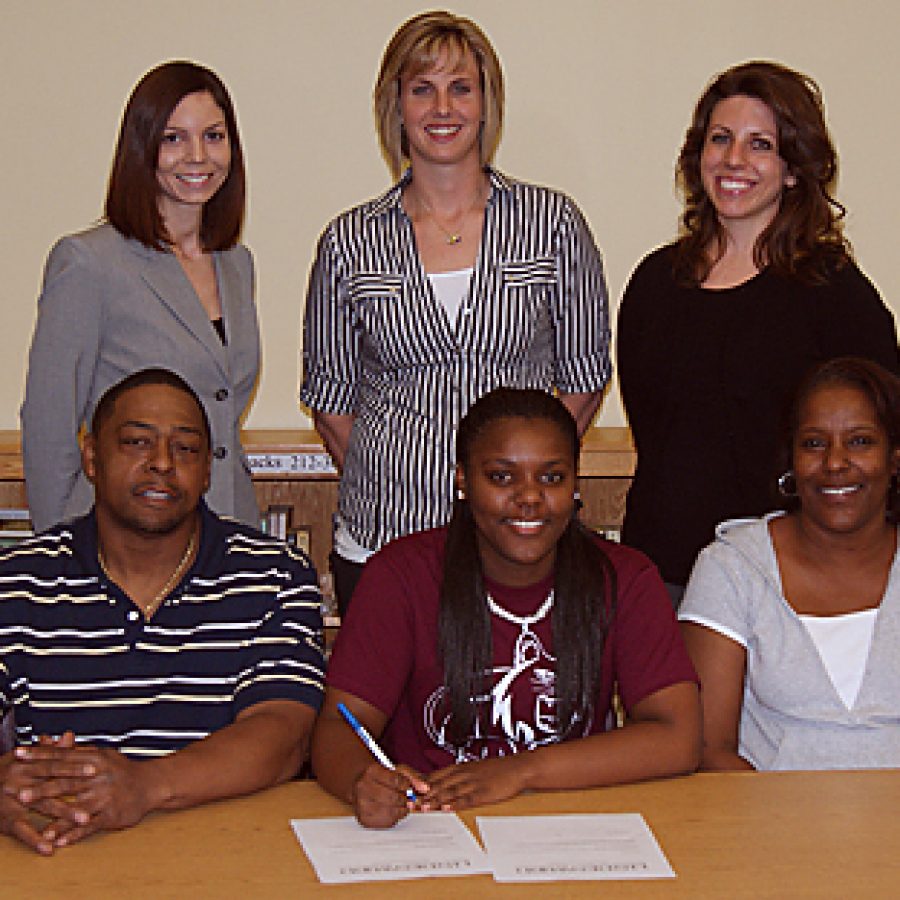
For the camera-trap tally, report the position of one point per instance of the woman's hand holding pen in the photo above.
(380, 796)
(383, 793)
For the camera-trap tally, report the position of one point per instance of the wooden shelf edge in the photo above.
(605, 453)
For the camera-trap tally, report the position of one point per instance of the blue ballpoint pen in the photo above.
(371, 746)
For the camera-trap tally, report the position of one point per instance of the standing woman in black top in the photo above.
(716, 329)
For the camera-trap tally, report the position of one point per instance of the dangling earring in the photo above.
(787, 484)
(579, 505)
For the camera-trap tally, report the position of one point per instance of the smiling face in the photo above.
(742, 173)
(442, 108)
(194, 154)
(843, 461)
(149, 461)
(520, 485)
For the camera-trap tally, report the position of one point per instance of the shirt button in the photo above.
(133, 615)
(220, 452)
(222, 394)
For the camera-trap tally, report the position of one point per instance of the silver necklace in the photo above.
(524, 622)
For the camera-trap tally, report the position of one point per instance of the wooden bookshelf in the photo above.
(291, 468)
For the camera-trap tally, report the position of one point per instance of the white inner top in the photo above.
(345, 546)
(451, 289)
(843, 643)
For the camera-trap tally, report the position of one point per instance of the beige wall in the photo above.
(599, 94)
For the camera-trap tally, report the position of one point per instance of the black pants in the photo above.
(676, 592)
(346, 574)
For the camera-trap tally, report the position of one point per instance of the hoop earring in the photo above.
(787, 484)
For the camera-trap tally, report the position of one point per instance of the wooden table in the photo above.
(789, 835)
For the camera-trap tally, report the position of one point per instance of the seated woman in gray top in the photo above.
(793, 620)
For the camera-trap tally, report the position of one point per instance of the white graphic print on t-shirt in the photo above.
(522, 705)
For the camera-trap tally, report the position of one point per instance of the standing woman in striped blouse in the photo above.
(454, 282)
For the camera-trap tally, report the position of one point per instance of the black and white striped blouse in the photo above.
(378, 345)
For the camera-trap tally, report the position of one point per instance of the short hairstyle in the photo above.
(880, 387)
(416, 46)
(104, 408)
(133, 191)
(805, 239)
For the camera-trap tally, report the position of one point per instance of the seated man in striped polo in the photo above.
(154, 656)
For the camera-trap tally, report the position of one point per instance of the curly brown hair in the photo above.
(804, 240)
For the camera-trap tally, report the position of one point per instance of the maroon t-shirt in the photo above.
(386, 654)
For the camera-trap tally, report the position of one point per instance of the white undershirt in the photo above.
(843, 643)
(451, 289)
(345, 546)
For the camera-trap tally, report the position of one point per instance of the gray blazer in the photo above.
(110, 306)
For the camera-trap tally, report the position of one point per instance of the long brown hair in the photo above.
(804, 240)
(585, 587)
(132, 195)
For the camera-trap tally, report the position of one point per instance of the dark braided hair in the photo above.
(585, 586)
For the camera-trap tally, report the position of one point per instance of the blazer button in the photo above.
(222, 394)
(220, 452)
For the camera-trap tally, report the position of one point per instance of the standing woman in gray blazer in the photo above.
(161, 282)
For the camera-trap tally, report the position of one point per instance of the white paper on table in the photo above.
(572, 847)
(423, 845)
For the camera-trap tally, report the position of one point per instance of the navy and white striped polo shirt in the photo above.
(242, 627)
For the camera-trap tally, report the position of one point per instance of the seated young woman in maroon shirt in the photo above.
(483, 656)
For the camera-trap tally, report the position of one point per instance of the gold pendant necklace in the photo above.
(450, 237)
(172, 580)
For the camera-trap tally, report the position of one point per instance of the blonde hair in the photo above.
(416, 46)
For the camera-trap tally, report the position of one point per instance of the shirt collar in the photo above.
(85, 545)
(390, 200)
